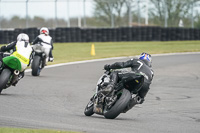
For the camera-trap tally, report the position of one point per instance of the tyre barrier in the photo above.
(76, 34)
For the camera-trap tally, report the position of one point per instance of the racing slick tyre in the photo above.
(4, 77)
(36, 66)
(119, 106)
(89, 109)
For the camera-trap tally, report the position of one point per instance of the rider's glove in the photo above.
(107, 67)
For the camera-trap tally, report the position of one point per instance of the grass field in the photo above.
(21, 130)
(69, 52)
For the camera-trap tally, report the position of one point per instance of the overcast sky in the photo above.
(45, 8)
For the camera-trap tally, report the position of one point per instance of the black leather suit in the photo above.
(137, 66)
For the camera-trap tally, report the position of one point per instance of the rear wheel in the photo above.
(119, 106)
(4, 77)
(89, 109)
(36, 66)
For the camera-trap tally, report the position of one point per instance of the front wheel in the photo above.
(4, 77)
(119, 106)
(89, 108)
(36, 66)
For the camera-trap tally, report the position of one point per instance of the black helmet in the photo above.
(146, 58)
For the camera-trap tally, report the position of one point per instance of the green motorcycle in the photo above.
(9, 71)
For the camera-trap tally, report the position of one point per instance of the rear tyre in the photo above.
(36, 66)
(89, 109)
(119, 106)
(4, 77)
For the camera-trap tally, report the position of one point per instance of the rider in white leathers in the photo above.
(20, 49)
(46, 41)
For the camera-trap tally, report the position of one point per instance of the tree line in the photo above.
(123, 13)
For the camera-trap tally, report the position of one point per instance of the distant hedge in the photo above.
(107, 34)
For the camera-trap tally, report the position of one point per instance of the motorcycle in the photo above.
(9, 71)
(117, 101)
(40, 58)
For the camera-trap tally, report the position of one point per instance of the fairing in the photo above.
(12, 62)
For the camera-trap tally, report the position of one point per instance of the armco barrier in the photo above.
(107, 34)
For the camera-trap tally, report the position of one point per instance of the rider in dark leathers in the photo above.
(140, 65)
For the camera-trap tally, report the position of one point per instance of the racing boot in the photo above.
(50, 59)
(143, 92)
(50, 56)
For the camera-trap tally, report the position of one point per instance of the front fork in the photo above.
(101, 101)
(98, 103)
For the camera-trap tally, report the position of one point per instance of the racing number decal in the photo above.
(140, 64)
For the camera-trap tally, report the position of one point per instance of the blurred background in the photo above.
(99, 13)
(101, 20)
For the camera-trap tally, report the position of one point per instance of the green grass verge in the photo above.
(21, 130)
(68, 52)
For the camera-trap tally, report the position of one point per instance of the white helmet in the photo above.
(23, 37)
(44, 30)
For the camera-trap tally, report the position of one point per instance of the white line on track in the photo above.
(114, 58)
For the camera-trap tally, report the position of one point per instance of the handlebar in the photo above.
(107, 72)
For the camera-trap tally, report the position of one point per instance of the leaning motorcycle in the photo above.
(40, 58)
(110, 106)
(9, 70)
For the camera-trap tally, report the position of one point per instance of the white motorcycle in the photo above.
(41, 56)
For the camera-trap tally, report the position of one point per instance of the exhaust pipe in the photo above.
(135, 100)
(138, 99)
(16, 72)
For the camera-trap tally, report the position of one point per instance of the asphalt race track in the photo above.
(56, 99)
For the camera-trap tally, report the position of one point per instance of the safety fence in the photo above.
(107, 34)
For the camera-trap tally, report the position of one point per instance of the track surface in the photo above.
(56, 99)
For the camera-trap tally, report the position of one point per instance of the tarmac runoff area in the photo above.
(57, 98)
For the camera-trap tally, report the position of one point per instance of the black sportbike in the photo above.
(117, 101)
